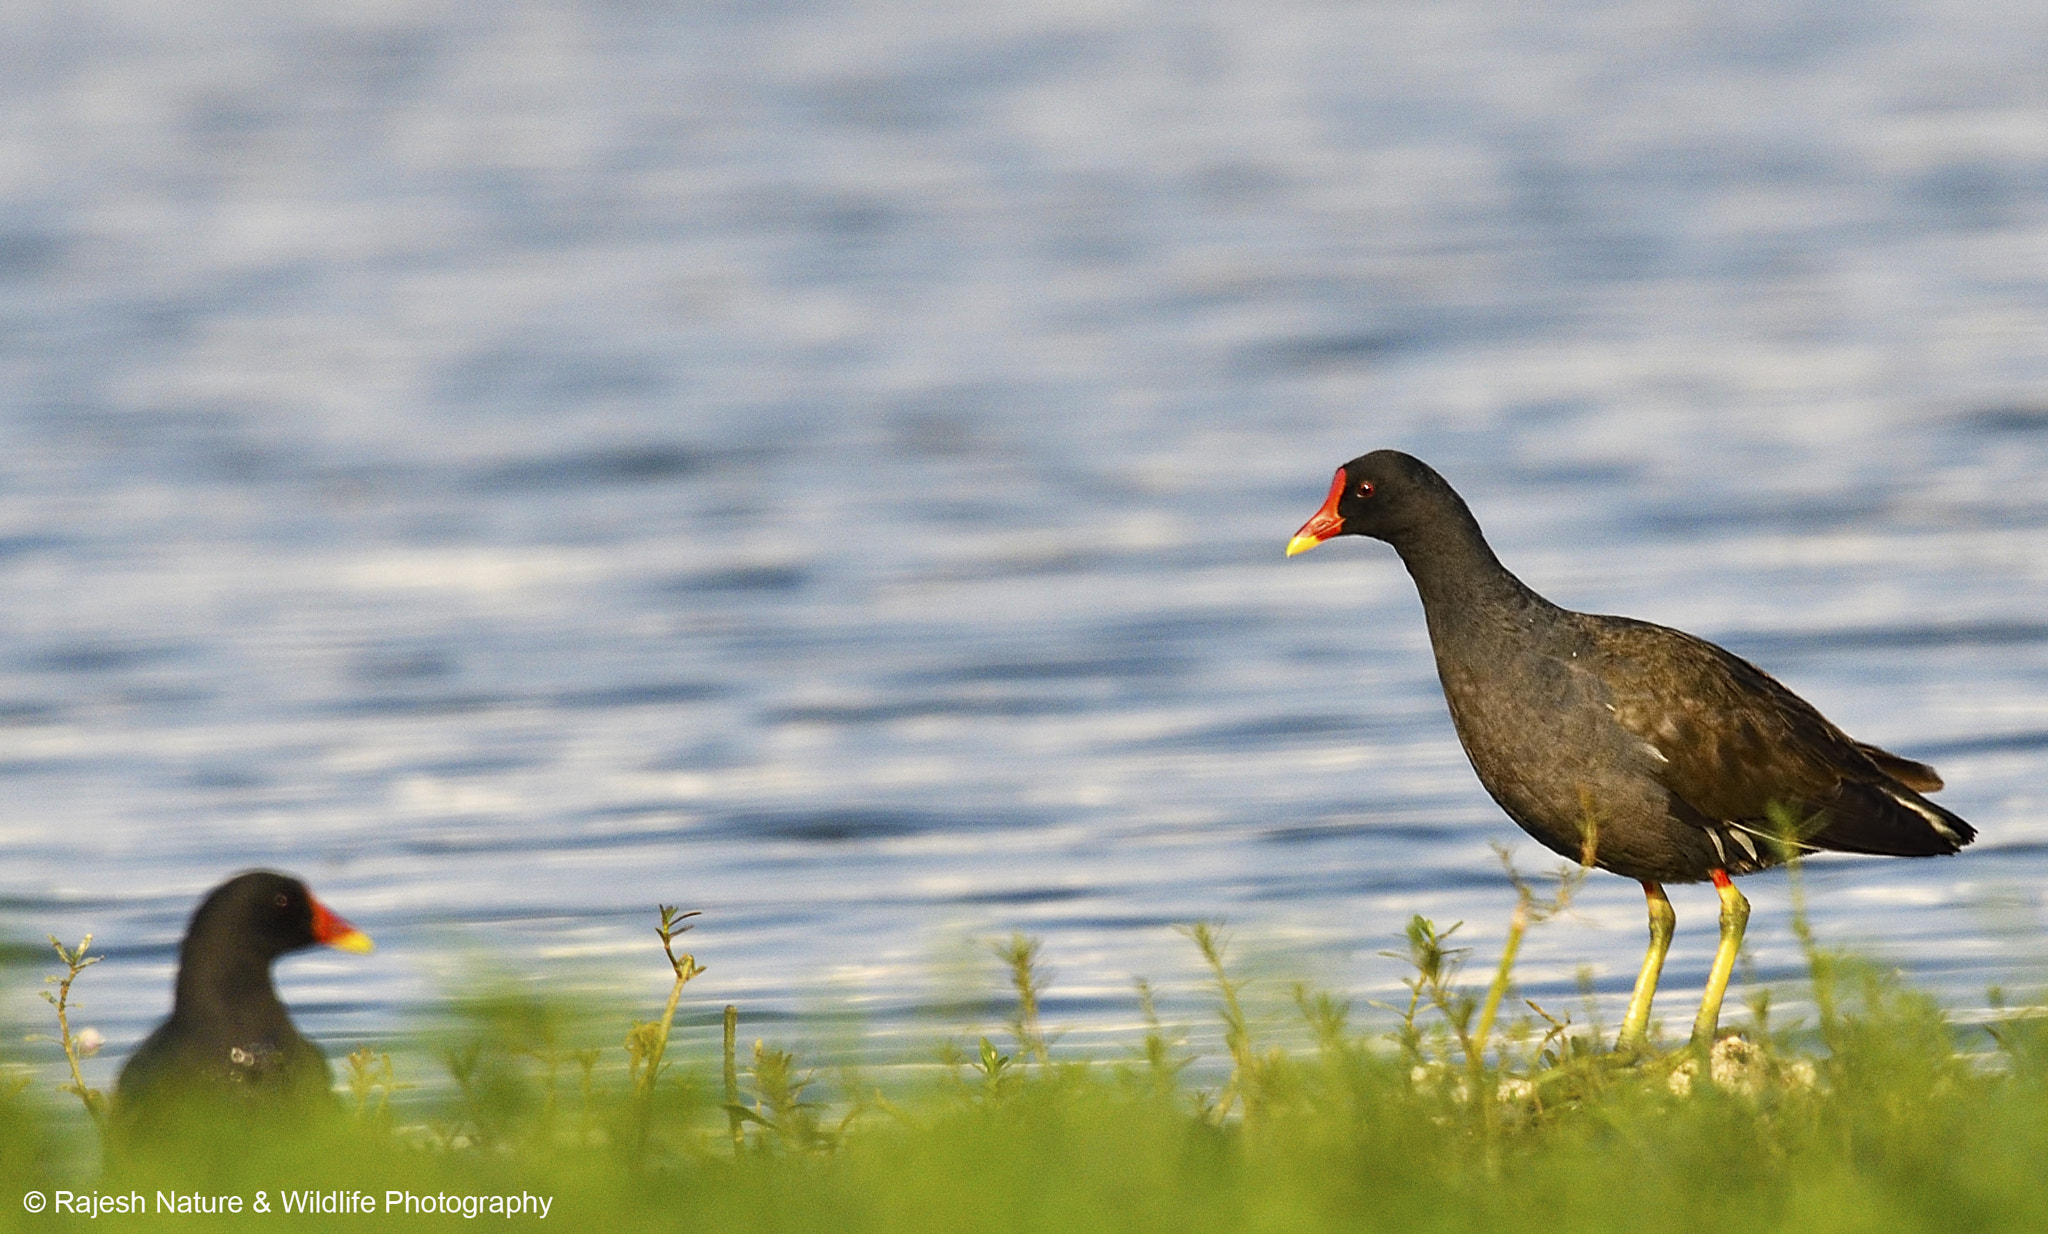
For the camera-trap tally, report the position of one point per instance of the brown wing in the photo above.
(1735, 744)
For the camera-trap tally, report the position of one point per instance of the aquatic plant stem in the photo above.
(686, 967)
(735, 1119)
(1237, 1037)
(1027, 977)
(76, 961)
(1518, 925)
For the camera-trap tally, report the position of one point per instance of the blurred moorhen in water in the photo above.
(1625, 745)
(229, 1048)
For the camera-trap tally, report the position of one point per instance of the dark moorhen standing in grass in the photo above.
(1636, 747)
(229, 1048)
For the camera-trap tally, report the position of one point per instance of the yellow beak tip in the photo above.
(1301, 544)
(356, 941)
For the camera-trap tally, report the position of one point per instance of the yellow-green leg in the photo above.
(1734, 918)
(1663, 922)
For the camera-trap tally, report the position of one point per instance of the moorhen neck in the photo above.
(1630, 746)
(229, 1044)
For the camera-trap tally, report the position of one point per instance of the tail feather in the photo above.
(1917, 776)
(1888, 820)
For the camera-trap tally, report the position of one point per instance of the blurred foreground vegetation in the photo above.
(1877, 1115)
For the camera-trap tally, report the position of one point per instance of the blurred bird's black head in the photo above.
(263, 914)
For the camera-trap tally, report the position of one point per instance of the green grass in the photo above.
(1880, 1115)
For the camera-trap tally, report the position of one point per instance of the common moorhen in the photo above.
(229, 1046)
(1629, 746)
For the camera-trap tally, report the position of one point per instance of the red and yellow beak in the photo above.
(332, 930)
(1326, 523)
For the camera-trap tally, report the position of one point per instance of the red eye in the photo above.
(1365, 488)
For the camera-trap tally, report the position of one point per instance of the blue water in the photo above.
(828, 465)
